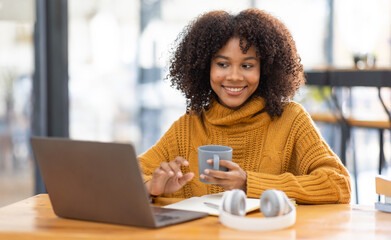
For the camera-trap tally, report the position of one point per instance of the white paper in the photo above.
(197, 204)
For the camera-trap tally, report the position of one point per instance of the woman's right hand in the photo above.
(168, 177)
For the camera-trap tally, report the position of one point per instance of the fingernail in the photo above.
(209, 161)
(170, 173)
(179, 174)
(206, 171)
(202, 176)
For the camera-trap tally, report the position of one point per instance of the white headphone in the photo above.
(279, 212)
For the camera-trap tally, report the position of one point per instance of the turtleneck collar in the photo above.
(220, 115)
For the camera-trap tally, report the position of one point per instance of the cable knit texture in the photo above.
(286, 153)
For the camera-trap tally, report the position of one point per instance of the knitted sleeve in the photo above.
(170, 145)
(312, 173)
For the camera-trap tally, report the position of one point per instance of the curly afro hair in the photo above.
(281, 71)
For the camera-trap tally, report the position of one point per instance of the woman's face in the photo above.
(234, 76)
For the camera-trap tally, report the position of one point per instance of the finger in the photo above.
(166, 168)
(224, 163)
(158, 172)
(209, 179)
(177, 163)
(217, 174)
(175, 168)
(186, 178)
(210, 161)
(159, 175)
(224, 183)
(229, 164)
(181, 161)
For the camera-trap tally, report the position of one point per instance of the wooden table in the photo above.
(33, 218)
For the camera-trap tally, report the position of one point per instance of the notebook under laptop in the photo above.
(100, 182)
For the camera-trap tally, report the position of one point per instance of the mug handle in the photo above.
(216, 162)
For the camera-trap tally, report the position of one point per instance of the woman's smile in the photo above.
(234, 90)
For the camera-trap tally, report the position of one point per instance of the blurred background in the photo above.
(112, 56)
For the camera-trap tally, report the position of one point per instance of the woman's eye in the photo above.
(245, 66)
(221, 64)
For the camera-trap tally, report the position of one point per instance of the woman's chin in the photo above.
(233, 105)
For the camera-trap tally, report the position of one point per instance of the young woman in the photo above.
(239, 74)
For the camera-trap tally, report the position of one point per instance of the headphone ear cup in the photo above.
(238, 203)
(272, 203)
(234, 202)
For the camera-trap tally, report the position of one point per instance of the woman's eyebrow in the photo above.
(221, 56)
(251, 58)
(225, 57)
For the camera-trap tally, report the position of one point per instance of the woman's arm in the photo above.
(313, 173)
(161, 166)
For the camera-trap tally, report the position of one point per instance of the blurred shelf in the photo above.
(329, 118)
(349, 78)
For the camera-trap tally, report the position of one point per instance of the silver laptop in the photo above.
(100, 182)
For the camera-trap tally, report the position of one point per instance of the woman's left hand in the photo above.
(235, 178)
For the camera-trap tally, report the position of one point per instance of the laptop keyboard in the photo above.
(162, 217)
(161, 214)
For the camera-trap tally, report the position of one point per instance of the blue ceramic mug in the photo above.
(215, 152)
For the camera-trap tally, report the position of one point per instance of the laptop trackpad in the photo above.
(167, 216)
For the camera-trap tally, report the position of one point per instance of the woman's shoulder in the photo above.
(294, 108)
(293, 111)
(189, 116)
(185, 119)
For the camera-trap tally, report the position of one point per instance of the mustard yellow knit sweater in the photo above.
(286, 153)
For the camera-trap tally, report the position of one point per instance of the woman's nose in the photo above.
(235, 74)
